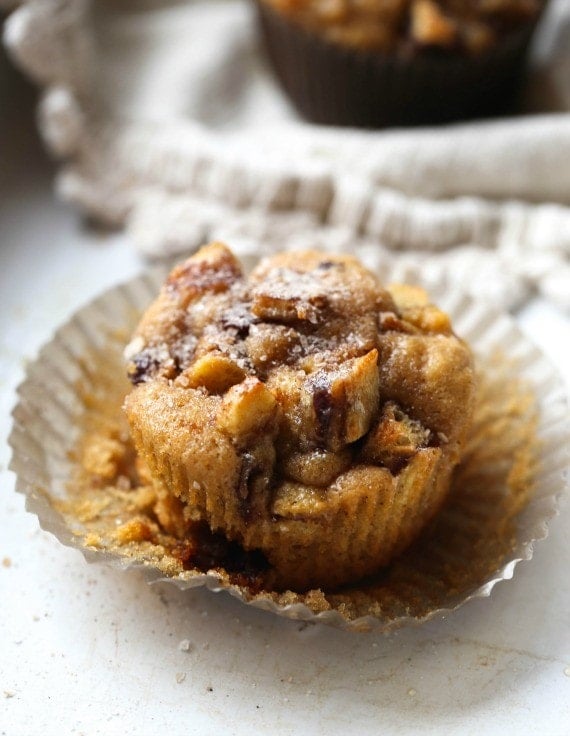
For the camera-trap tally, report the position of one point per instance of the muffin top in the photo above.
(406, 26)
(309, 353)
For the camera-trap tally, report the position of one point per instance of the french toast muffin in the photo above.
(376, 63)
(304, 411)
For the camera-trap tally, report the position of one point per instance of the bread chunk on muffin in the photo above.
(305, 411)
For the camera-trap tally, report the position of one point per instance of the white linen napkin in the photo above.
(168, 122)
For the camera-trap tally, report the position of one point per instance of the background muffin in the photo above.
(375, 63)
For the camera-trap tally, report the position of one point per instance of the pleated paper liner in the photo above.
(69, 420)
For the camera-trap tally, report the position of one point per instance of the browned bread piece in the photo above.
(305, 411)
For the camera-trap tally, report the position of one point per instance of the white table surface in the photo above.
(90, 650)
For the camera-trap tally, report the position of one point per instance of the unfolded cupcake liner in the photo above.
(518, 442)
(335, 85)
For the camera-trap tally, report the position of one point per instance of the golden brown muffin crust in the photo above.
(300, 406)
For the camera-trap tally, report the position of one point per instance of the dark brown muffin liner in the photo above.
(333, 85)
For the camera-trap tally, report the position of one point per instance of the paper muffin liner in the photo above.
(333, 85)
(504, 492)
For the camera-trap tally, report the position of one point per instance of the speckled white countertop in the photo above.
(89, 650)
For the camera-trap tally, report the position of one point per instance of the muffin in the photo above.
(305, 412)
(377, 63)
